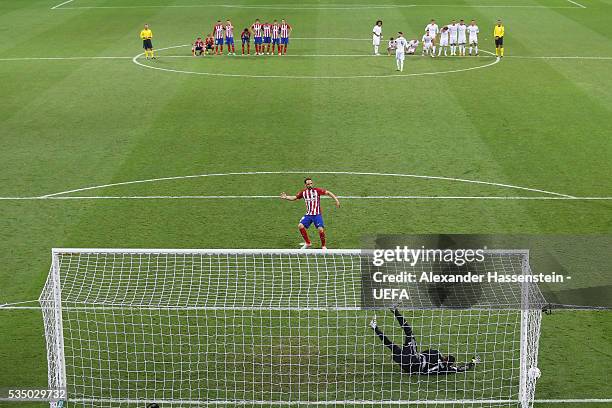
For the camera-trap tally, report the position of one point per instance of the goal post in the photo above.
(51, 305)
(259, 327)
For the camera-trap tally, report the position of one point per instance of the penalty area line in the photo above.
(576, 3)
(61, 4)
(315, 7)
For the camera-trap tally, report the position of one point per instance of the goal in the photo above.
(256, 328)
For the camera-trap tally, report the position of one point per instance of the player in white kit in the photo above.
(428, 45)
(443, 45)
(400, 51)
(433, 32)
(391, 46)
(377, 36)
(453, 27)
(473, 36)
(461, 40)
(412, 46)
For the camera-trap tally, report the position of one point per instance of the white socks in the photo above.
(376, 49)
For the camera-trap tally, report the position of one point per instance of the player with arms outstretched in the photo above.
(312, 198)
(429, 362)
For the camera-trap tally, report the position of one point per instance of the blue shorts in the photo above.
(267, 40)
(257, 40)
(309, 219)
(284, 41)
(218, 41)
(276, 41)
(246, 40)
(229, 40)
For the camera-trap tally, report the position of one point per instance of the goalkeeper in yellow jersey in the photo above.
(147, 35)
(498, 34)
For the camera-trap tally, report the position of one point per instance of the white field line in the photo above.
(61, 4)
(330, 7)
(60, 58)
(334, 402)
(575, 401)
(569, 57)
(307, 77)
(559, 57)
(302, 172)
(576, 3)
(254, 197)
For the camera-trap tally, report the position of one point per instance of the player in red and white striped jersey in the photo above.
(229, 38)
(312, 198)
(276, 36)
(218, 33)
(256, 29)
(198, 47)
(267, 39)
(285, 30)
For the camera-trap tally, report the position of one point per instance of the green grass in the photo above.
(69, 124)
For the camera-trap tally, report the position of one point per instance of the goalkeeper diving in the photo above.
(429, 362)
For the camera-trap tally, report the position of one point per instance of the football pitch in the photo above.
(102, 148)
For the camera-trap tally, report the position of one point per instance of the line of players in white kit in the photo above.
(453, 38)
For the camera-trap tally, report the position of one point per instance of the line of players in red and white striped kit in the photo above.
(269, 38)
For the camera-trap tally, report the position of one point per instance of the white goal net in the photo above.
(184, 328)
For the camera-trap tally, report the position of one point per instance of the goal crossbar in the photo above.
(248, 251)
